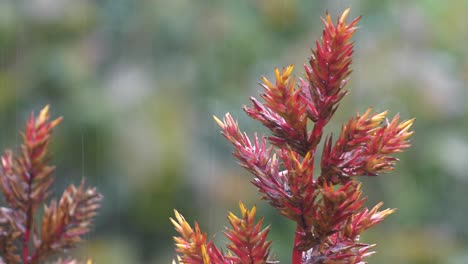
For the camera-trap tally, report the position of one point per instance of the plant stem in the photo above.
(297, 254)
(29, 220)
(25, 246)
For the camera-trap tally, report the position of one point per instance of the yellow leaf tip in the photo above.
(218, 121)
(344, 15)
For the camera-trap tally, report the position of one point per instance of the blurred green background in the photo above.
(138, 82)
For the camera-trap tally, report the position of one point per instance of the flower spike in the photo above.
(25, 181)
(328, 208)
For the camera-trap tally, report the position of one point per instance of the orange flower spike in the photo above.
(192, 245)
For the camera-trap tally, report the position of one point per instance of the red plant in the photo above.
(327, 208)
(25, 181)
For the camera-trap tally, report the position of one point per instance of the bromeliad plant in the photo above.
(25, 181)
(327, 207)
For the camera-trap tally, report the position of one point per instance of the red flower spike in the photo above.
(248, 239)
(329, 65)
(291, 191)
(254, 157)
(257, 159)
(27, 178)
(327, 209)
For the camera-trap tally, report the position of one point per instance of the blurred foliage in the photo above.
(138, 82)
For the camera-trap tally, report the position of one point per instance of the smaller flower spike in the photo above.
(64, 223)
(193, 245)
(362, 221)
(364, 147)
(328, 73)
(255, 156)
(283, 112)
(329, 66)
(248, 239)
(25, 180)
